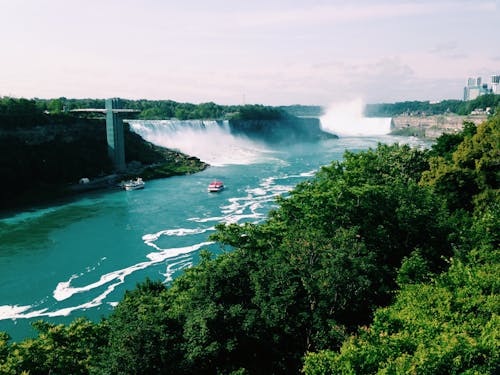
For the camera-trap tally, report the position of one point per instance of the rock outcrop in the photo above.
(432, 126)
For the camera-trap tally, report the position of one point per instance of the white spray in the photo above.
(347, 120)
(211, 141)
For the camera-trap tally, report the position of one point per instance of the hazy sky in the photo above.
(253, 51)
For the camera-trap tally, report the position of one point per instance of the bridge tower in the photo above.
(114, 129)
(114, 134)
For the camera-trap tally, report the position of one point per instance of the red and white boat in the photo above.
(215, 186)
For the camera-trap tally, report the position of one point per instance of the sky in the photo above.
(273, 52)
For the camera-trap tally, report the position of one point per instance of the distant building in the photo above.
(495, 84)
(475, 87)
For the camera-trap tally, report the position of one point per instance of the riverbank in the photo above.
(178, 164)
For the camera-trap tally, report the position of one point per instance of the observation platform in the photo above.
(104, 110)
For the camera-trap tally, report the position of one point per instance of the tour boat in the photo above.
(138, 183)
(215, 186)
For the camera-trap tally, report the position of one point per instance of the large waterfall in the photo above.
(209, 140)
(347, 120)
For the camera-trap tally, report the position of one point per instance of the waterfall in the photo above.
(347, 120)
(209, 140)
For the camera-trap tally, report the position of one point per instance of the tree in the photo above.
(449, 326)
(58, 349)
(472, 177)
(143, 337)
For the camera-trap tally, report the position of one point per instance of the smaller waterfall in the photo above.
(347, 120)
(209, 140)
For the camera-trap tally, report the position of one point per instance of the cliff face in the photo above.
(37, 163)
(432, 126)
(287, 130)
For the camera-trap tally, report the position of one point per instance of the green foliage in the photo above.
(450, 326)
(425, 107)
(143, 338)
(58, 349)
(34, 112)
(447, 144)
(471, 177)
(20, 113)
(303, 110)
(414, 269)
(257, 112)
(446, 324)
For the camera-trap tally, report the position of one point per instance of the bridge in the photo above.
(114, 129)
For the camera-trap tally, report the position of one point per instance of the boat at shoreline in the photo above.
(215, 186)
(136, 184)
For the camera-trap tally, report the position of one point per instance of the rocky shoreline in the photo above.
(183, 165)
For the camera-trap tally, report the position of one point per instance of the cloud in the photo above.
(448, 50)
(364, 12)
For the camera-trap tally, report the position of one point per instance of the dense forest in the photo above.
(386, 262)
(30, 112)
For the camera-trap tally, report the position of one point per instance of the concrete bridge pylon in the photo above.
(114, 134)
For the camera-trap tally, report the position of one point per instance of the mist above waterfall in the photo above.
(347, 120)
(210, 141)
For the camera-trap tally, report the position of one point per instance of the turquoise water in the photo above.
(78, 258)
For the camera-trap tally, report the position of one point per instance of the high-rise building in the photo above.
(495, 84)
(475, 87)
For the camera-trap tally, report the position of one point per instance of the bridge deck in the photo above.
(103, 110)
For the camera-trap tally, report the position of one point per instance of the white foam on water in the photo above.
(64, 290)
(309, 174)
(176, 266)
(347, 120)
(12, 312)
(257, 191)
(111, 280)
(247, 207)
(171, 232)
(206, 219)
(173, 252)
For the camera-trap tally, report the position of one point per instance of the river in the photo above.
(78, 258)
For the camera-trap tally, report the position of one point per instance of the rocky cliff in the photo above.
(432, 126)
(290, 129)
